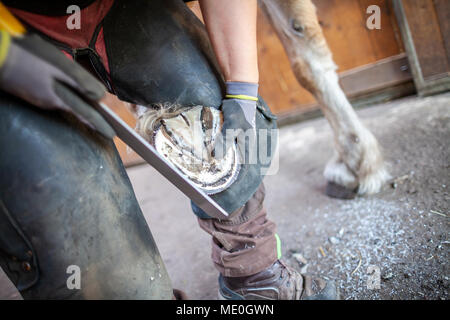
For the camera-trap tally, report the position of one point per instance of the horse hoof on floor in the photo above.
(338, 191)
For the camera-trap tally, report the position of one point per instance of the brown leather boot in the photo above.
(277, 282)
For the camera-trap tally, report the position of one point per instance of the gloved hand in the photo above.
(239, 110)
(39, 73)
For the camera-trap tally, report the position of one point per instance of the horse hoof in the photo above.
(338, 191)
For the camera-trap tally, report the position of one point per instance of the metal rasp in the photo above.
(149, 154)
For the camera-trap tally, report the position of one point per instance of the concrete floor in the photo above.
(402, 233)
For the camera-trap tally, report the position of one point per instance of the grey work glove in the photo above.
(239, 110)
(39, 73)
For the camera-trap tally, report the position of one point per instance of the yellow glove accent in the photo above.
(5, 42)
(241, 96)
(9, 23)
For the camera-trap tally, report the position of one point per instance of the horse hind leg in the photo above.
(357, 165)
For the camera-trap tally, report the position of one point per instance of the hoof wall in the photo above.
(335, 190)
(179, 295)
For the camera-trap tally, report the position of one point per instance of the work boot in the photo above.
(277, 282)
